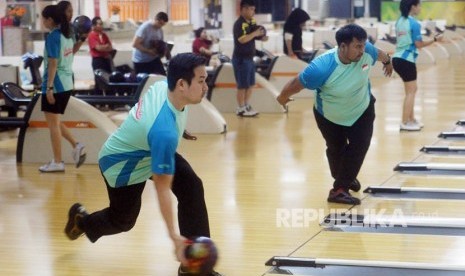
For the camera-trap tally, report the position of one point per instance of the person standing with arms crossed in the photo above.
(100, 48)
(143, 148)
(245, 33)
(344, 107)
(409, 40)
(57, 86)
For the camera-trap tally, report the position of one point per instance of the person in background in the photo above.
(66, 9)
(344, 107)
(145, 56)
(7, 20)
(245, 32)
(202, 44)
(57, 86)
(409, 40)
(292, 35)
(100, 49)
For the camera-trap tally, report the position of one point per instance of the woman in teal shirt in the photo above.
(409, 40)
(57, 86)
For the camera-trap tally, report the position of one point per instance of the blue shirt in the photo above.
(146, 142)
(59, 47)
(342, 90)
(408, 30)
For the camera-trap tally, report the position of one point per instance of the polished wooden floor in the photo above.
(358, 244)
(259, 168)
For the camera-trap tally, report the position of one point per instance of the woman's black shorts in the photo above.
(407, 70)
(61, 101)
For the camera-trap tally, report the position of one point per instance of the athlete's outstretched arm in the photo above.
(163, 184)
(292, 87)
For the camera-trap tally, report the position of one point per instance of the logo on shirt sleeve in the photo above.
(164, 166)
(139, 109)
(365, 67)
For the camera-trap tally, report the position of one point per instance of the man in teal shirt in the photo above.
(344, 106)
(144, 147)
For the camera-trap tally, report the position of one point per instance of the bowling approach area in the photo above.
(257, 176)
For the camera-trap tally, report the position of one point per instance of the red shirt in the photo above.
(95, 39)
(199, 43)
(6, 21)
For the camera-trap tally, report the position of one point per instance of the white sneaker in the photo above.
(249, 113)
(79, 155)
(410, 126)
(418, 123)
(249, 108)
(246, 111)
(53, 167)
(240, 111)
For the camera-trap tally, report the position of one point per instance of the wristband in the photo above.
(50, 88)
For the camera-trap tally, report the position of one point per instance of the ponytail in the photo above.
(65, 27)
(59, 18)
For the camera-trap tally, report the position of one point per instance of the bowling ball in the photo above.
(82, 25)
(117, 76)
(130, 77)
(224, 58)
(141, 76)
(160, 46)
(260, 37)
(201, 254)
(255, 27)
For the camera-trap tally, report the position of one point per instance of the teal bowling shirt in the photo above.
(61, 48)
(408, 30)
(146, 142)
(342, 90)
